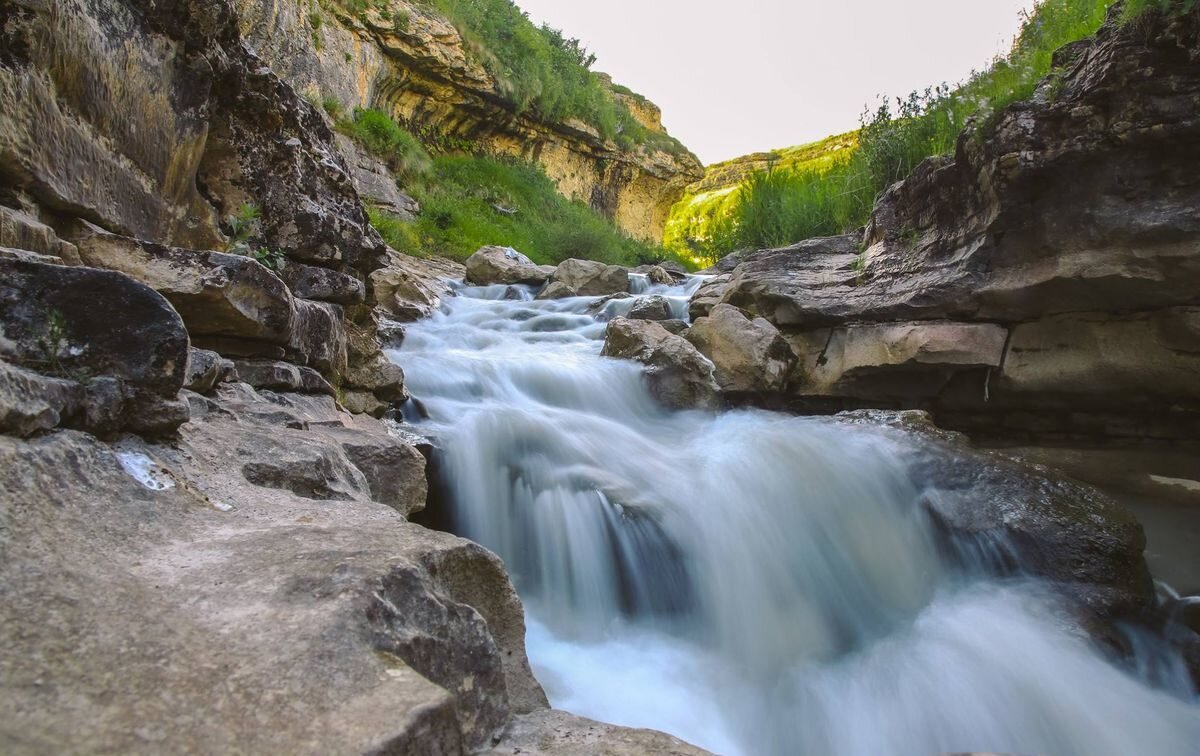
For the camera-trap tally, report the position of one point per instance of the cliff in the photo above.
(1041, 283)
(412, 63)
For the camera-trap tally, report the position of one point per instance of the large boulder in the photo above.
(748, 355)
(651, 308)
(409, 288)
(505, 265)
(676, 372)
(589, 278)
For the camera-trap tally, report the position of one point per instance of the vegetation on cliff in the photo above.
(788, 203)
(545, 72)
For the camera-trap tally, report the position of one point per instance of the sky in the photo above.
(752, 75)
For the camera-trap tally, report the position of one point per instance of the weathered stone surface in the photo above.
(216, 293)
(505, 265)
(205, 369)
(656, 274)
(589, 278)
(894, 360)
(710, 293)
(651, 308)
(318, 336)
(281, 376)
(351, 631)
(677, 374)
(30, 402)
(375, 183)
(748, 355)
(557, 290)
(557, 733)
(809, 284)
(87, 322)
(322, 284)
(410, 288)
(20, 230)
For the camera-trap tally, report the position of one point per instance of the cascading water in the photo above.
(751, 582)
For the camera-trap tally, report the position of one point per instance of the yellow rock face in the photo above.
(421, 72)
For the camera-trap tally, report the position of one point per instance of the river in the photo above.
(751, 582)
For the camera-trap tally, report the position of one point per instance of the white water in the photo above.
(751, 582)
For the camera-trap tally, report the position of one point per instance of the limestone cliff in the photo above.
(412, 63)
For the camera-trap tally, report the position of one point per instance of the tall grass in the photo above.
(374, 130)
(784, 206)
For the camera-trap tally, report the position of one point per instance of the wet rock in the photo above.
(657, 274)
(677, 374)
(748, 355)
(589, 278)
(1009, 516)
(410, 288)
(505, 265)
(651, 308)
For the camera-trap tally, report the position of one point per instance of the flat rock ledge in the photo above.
(253, 586)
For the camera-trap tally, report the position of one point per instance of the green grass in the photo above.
(1133, 9)
(379, 134)
(471, 201)
(789, 204)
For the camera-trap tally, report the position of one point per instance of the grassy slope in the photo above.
(789, 203)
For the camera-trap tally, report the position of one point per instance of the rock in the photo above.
(30, 402)
(748, 355)
(282, 376)
(725, 265)
(375, 182)
(589, 278)
(1000, 513)
(205, 369)
(217, 294)
(48, 316)
(394, 471)
(651, 308)
(557, 733)
(710, 293)
(893, 361)
(557, 290)
(677, 374)
(352, 630)
(677, 327)
(322, 284)
(410, 288)
(20, 230)
(505, 265)
(319, 337)
(657, 274)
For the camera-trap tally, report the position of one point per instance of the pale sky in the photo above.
(751, 75)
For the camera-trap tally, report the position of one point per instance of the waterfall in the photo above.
(752, 582)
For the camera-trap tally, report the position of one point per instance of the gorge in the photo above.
(284, 468)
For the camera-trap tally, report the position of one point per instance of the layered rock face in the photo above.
(1044, 281)
(410, 62)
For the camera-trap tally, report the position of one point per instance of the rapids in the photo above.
(751, 582)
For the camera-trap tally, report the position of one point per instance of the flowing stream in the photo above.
(751, 582)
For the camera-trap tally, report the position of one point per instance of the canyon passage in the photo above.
(749, 581)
